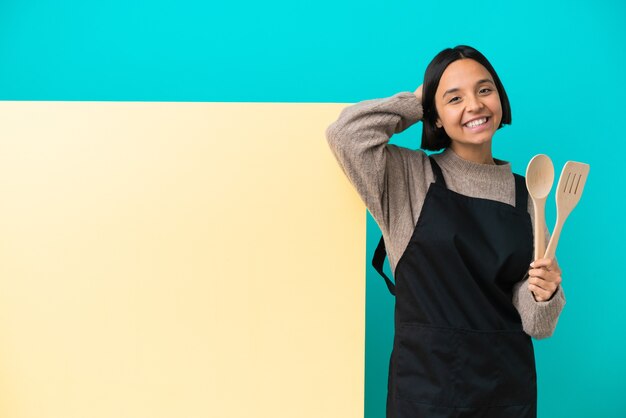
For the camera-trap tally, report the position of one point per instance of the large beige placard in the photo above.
(178, 260)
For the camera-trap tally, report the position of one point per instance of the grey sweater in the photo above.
(392, 182)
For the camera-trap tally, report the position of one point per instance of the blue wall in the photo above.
(562, 64)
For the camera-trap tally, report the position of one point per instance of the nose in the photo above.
(474, 103)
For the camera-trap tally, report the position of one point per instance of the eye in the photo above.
(486, 89)
(452, 99)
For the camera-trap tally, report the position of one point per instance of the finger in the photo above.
(547, 263)
(538, 283)
(550, 276)
(544, 274)
(540, 294)
(543, 284)
(537, 272)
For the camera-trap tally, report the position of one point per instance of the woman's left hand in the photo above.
(544, 278)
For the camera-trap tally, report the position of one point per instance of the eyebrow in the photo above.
(484, 80)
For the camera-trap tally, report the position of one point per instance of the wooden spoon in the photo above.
(569, 190)
(539, 179)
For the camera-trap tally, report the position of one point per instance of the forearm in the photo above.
(358, 139)
(539, 319)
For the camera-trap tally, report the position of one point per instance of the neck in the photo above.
(480, 154)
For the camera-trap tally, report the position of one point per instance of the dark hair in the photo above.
(434, 138)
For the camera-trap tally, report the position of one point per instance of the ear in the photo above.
(438, 123)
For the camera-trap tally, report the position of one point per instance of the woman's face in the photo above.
(466, 93)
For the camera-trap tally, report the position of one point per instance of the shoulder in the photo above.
(412, 165)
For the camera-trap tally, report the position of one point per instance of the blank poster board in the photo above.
(178, 260)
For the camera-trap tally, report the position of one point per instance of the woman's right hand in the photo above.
(418, 92)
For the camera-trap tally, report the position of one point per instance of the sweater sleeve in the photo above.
(539, 319)
(359, 139)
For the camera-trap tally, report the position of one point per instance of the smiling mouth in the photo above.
(477, 122)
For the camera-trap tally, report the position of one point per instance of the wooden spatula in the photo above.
(569, 190)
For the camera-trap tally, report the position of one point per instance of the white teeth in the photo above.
(476, 122)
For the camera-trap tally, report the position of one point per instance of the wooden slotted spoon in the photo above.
(569, 190)
(539, 179)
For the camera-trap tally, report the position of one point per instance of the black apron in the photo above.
(459, 349)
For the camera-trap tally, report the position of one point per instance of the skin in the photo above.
(544, 278)
(476, 98)
(471, 100)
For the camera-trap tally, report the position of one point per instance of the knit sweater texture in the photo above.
(392, 181)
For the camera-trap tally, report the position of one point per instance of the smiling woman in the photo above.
(461, 86)
(458, 229)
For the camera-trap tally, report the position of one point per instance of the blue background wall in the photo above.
(562, 64)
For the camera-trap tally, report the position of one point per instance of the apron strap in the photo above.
(437, 172)
(521, 193)
(378, 260)
(380, 253)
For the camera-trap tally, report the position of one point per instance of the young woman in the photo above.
(457, 228)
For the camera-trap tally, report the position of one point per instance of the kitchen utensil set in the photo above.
(539, 179)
